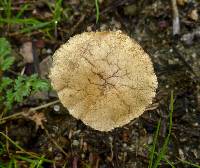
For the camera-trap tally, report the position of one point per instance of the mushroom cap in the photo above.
(104, 79)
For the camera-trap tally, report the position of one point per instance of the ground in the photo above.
(67, 142)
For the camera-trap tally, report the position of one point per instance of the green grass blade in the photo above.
(10, 140)
(24, 159)
(40, 162)
(97, 10)
(7, 6)
(37, 26)
(20, 13)
(57, 11)
(164, 148)
(26, 21)
(21, 149)
(15, 164)
(154, 144)
(189, 163)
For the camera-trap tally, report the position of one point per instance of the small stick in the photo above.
(7, 142)
(55, 143)
(30, 110)
(176, 22)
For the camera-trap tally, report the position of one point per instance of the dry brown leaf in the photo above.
(38, 118)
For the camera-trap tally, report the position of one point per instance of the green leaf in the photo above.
(5, 82)
(7, 62)
(16, 90)
(5, 54)
(5, 48)
(9, 99)
(22, 88)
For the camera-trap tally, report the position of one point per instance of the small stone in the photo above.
(194, 151)
(82, 155)
(103, 27)
(44, 66)
(50, 149)
(181, 153)
(187, 148)
(110, 138)
(150, 140)
(75, 142)
(193, 15)
(56, 108)
(188, 38)
(26, 50)
(196, 124)
(77, 132)
(49, 51)
(183, 139)
(194, 55)
(89, 28)
(58, 157)
(124, 145)
(130, 10)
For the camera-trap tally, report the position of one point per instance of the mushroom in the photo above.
(104, 79)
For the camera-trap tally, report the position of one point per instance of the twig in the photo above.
(189, 163)
(7, 142)
(179, 55)
(55, 143)
(29, 111)
(176, 22)
(74, 28)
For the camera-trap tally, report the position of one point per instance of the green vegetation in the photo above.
(97, 10)
(32, 159)
(15, 89)
(29, 24)
(156, 156)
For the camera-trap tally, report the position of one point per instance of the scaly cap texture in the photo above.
(104, 79)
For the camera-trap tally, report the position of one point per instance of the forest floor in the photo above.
(48, 136)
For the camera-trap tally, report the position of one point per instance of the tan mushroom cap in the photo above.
(103, 78)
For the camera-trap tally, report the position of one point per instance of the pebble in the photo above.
(110, 138)
(56, 108)
(181, 153)
(196, 124)
(75, 142)
(124, 145)
(194, 55)
(193, 15)
(77, 132)
(50, 149)
(58, 157)
(49, 51)
(82, 155)
(150, 140)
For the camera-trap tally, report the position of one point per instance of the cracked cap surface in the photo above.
(103, 78)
